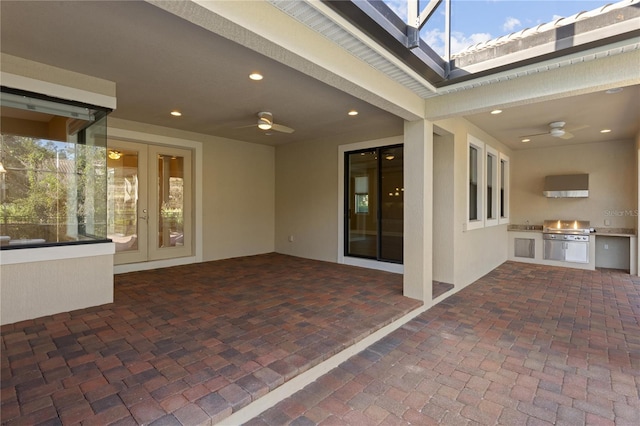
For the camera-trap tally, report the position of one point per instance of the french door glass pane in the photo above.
(171, 201)
(122, 199)
(392, 203)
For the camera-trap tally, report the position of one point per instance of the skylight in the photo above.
(476, 21)
(487, 36)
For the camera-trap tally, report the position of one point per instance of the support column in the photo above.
(418, 210)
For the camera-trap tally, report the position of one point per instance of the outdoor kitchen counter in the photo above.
(618, 254)
(525, 228)
(616, 232)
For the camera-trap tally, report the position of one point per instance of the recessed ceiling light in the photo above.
(525, 140)
(496, 111)
(614, 90)
(605, 131)
(353, 112)
(256, 76)
(176, 113)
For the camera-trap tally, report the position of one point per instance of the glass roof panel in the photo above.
(475, 21)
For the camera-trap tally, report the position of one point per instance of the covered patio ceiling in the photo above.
(161, 61)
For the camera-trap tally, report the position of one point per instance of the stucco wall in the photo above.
(307, 200)
(443, 207)
(612, 184)
(238, 185)
(76, 277)
(477, 251)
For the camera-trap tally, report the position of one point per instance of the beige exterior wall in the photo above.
(238, 188)
(443, 207)
(475, 252)
(307, 200)
(612, 184)
(24, 74)
(31, 287)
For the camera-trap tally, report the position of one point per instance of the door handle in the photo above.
(145, 217)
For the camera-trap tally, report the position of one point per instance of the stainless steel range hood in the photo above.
(566, 186)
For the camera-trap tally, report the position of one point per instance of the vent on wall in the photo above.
(566, 186)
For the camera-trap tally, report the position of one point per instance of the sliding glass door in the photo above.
(374, 203)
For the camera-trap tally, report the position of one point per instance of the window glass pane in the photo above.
(171, 201)
(502, 175)
(490, 161)
(52, 174)
(473, 183)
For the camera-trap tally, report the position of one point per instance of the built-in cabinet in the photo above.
(533, 240)
(524, 247)
(605, 250)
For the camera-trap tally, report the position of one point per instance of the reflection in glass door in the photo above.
(171, 201)
(126, 205)
(149, 202)
(374, 208)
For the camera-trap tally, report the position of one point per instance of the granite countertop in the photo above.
(616, 232)
(525, 228)
(609, 232)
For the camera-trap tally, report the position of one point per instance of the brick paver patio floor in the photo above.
(191, 344)
(525, 345)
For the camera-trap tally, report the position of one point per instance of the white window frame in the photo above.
(495, 182)
(473, 142)
(504, 159)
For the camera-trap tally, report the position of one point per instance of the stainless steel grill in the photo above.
(567, 227)
(566, 240)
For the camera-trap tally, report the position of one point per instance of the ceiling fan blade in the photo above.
(536, 134)
(567, 135)
(281, 128)
(577, 129)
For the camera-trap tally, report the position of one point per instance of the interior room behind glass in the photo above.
(52, 171)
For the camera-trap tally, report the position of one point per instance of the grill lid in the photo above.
(556, 226)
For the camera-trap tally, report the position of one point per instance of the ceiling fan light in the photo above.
(557, 132)
(265, 120)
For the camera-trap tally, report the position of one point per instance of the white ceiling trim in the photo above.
(330, 25)
(57, 90)
(565, 61)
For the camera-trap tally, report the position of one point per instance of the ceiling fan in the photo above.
(557, 130)
(265, 122)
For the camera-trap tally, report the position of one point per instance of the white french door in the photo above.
(149, 201)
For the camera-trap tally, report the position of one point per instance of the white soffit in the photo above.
(325, 22)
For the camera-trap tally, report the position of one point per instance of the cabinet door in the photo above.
(577, 252)
(524, 247)
(553, 250)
